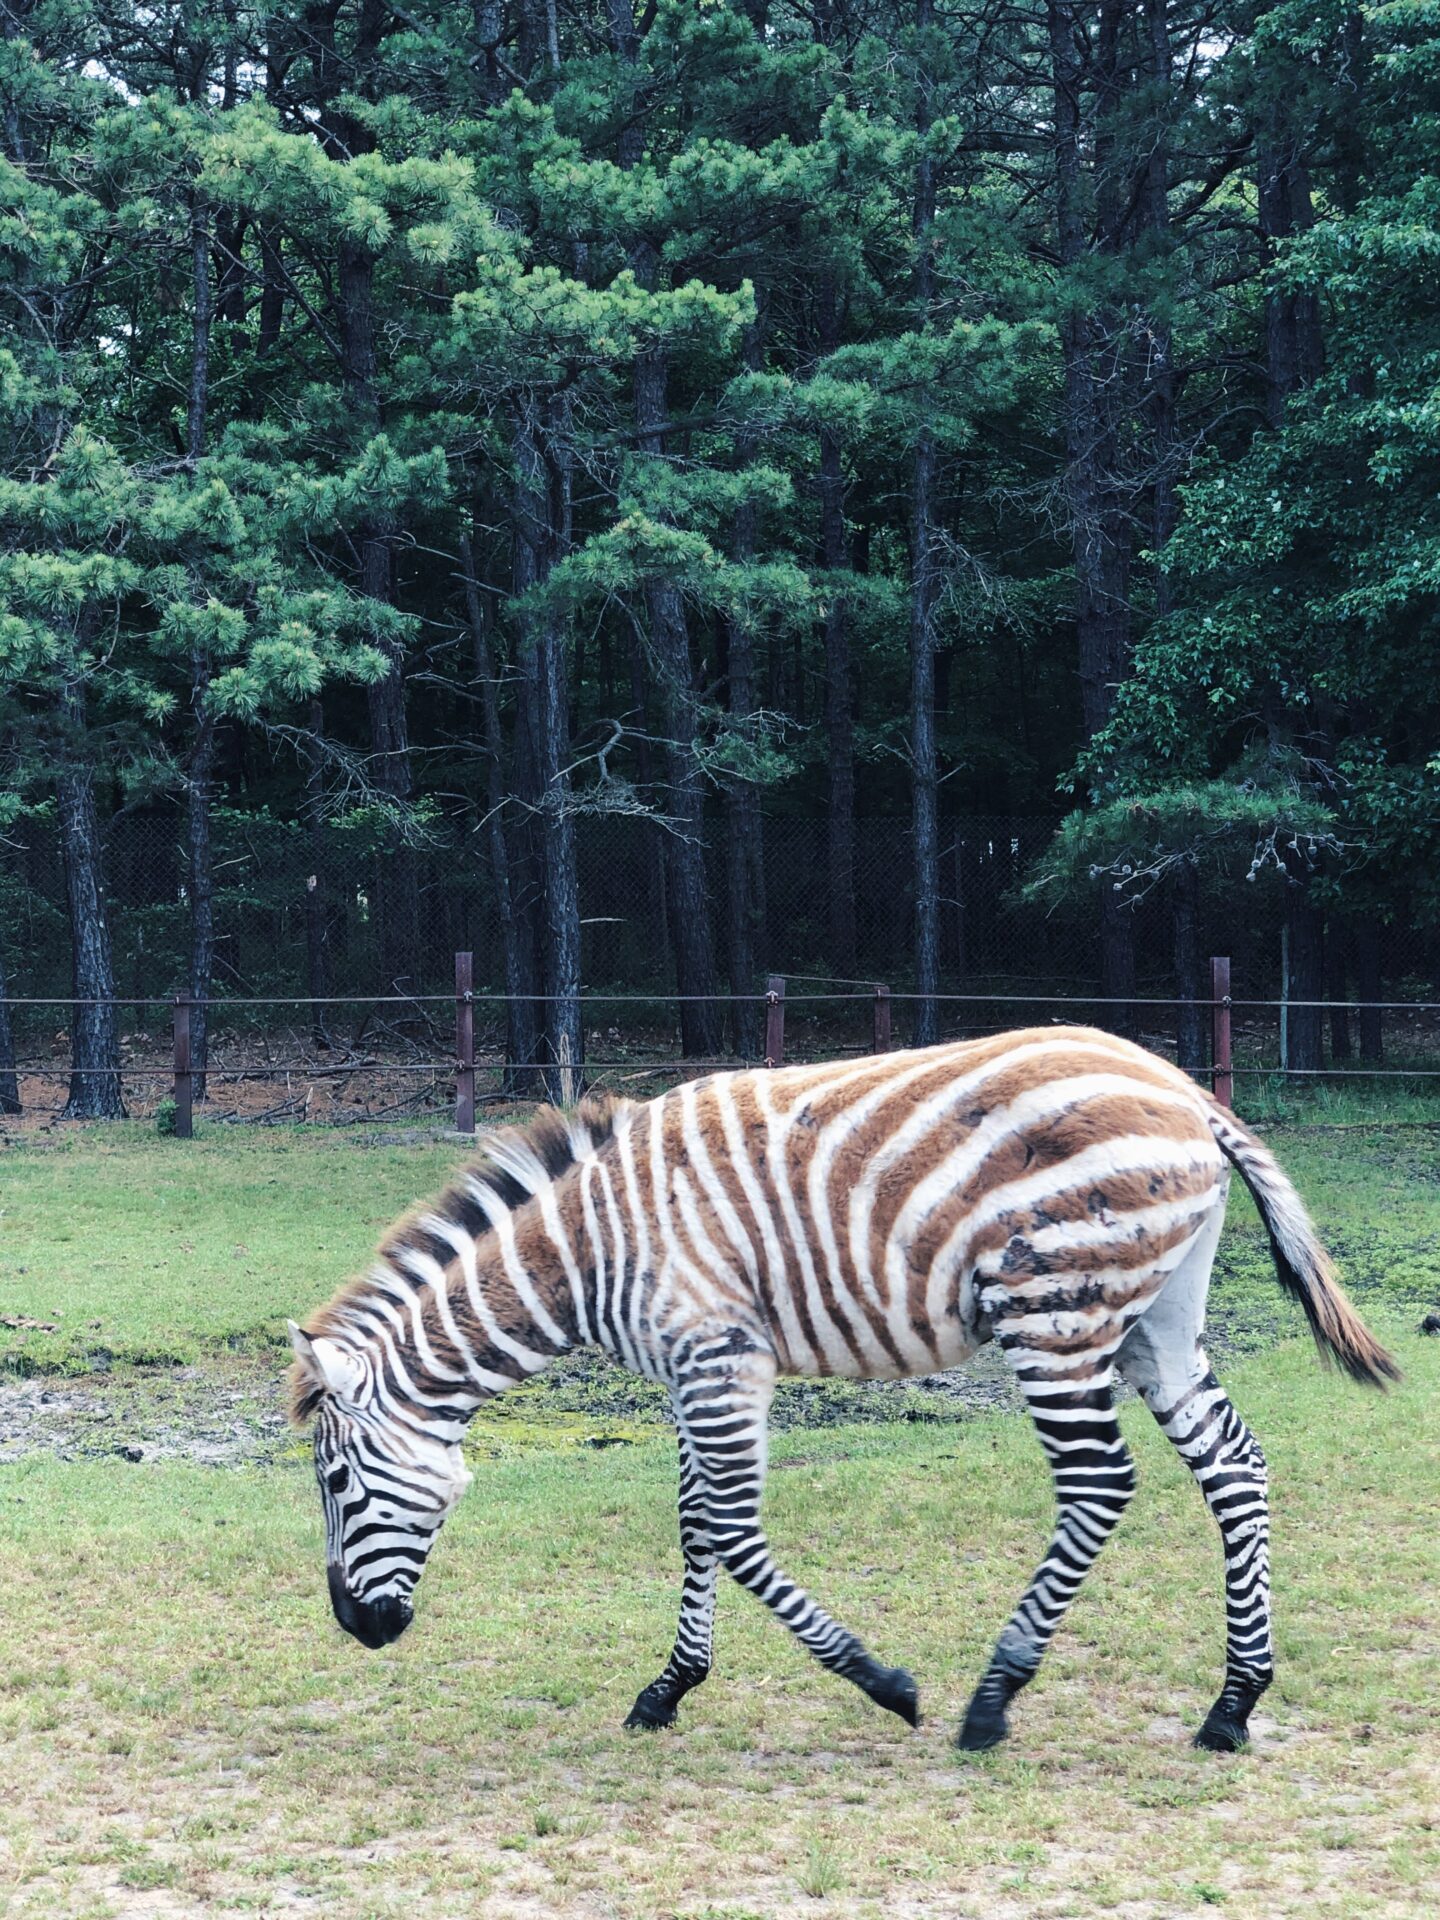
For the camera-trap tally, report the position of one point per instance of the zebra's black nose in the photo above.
(374, 1623)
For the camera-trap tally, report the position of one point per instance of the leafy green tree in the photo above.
(1304, 564)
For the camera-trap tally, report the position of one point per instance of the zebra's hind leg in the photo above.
(1225, 1458)
(1163, 1360)
(1094, 1479)
(689, 1661)
(722, 1407)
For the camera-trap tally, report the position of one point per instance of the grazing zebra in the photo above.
(1058, 1190)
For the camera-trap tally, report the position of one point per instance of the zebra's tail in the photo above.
(1303, 1265)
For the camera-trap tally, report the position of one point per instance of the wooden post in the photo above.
(184, 1080)
(881, 1015)
(1222, 1083)
(464, 1043)
(775, 1020)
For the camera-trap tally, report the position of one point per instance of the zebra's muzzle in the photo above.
(374, 1623)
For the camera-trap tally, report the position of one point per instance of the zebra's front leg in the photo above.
(689, 1661)
(1094, 1480)
(722, 1411)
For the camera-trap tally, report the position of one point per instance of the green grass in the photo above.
(185, 1731)
(1270, 1099)
(145, 1249)
(178, 1712)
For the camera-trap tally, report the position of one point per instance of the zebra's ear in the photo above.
(338, 1371)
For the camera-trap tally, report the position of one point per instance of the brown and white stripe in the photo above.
(1058, 1190)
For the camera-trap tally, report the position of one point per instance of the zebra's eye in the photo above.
(337, 1478)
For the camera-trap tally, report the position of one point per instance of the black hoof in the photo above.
(1227, 1724)
(889, 1687)
(1222, 1736)
(897, 1693)
(986, 1723)
(655, 1707)
(979, 1735)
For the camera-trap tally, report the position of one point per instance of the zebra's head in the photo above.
(386, 1487)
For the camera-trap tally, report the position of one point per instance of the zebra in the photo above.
(1060, 1191)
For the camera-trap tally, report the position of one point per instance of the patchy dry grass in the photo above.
(185, 1730)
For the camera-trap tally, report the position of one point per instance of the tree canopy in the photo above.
(469, 420)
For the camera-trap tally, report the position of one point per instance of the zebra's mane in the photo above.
(512, 1166)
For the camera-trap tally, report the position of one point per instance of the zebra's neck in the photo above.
(481, 1290)
(473, 1307)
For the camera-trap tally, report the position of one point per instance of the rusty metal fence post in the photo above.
(184, 1078)
(881, 1015)
(775, 1020)
(1222, 1083)
(464, 1043)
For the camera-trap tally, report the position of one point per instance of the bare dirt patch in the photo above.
(218, 1415)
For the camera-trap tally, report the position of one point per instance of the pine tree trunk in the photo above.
(200, 860)
(687, 902)
(13, 26)
(923, 767)
(839, 693)
(1100, 522)
(200, 781)
(203, 303)
(657, 886)
(689, 907)
(565, 1034)
(488, 29)
(542, 533)
(1306, 924)
(1369, 990)
(527, 886)
(519, 1034)
(1337, 992)
(743, 858)
(95, 1091)
(317, 952)
(1294, 351)
(272, 295)
(564, 1030)
(9, 1078)
(1191, 1051)
(744, 855)
(744, 843)
(272, 266)
(399, 904)
(1160, 346)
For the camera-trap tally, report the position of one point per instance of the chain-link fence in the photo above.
(293, 901)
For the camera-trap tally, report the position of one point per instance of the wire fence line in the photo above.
(468, 1075)
(302, 1000)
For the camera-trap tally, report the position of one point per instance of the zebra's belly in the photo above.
(860, 1326)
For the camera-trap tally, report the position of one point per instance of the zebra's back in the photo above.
(878, 1214)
